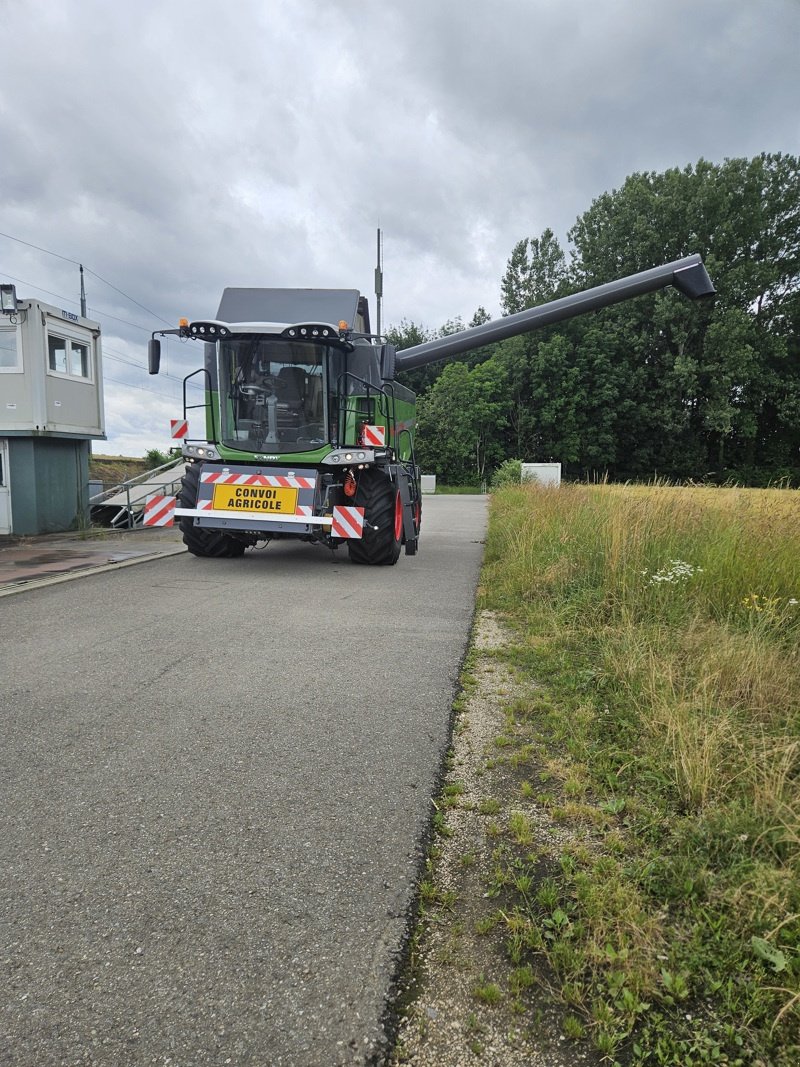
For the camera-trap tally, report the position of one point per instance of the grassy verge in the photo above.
(661, 628)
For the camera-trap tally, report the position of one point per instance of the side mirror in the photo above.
(153, 355)
(388, 359)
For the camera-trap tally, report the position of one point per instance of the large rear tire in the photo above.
(380, 499)
(201, 541)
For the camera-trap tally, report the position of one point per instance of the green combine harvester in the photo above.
(308, 434)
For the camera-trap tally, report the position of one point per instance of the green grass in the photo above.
(455, 490)
(661, 627)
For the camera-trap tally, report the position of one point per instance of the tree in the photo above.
(460, 421)
(710, 386)
(536, 272)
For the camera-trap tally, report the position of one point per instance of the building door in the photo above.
(5, 489)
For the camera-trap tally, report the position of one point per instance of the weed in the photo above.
(487, 992)
(521, 828)
(573, 1028)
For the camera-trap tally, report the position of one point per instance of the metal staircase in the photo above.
(122, 506)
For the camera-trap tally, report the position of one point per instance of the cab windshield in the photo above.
(274, 394)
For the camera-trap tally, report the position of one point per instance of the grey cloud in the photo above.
(176, 149)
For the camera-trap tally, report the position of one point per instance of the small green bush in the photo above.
(508, 473)
(156, 458)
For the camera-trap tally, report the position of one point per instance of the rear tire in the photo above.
(199, 540)
(380, 499)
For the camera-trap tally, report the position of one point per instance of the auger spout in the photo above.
(689, 276)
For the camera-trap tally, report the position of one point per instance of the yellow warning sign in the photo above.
(254, 498)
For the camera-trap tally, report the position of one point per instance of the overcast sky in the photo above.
(176, 147)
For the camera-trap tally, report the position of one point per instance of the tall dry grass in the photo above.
(678, 611)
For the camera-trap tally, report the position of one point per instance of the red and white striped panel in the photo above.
(373, 436)
(159, 510)
(276, 480)
(178, 427)
(347, 522)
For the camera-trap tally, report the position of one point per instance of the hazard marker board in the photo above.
(159, 510)
(178, 427)
(347, 522)
(373, 436)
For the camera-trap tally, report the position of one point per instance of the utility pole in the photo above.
(379, 283)
(83, 293)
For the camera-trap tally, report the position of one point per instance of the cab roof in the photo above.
(294, 305)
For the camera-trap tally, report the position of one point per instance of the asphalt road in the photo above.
(215, 781)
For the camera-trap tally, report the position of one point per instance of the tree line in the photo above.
(655, 386)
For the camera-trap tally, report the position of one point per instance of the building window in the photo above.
(9, 353)
(69, 357)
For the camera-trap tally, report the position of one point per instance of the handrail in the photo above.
(137, 478)
(135, 503)
(207, 404)
(385, 408)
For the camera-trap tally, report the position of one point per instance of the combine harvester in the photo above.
(307, 433)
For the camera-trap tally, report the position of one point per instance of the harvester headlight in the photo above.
(309, 330)
(193, 451)
(338, 458)
(208, 329)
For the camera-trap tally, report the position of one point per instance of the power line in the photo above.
(40, 249)
(136, 302)
(66, 259)
(69, 300)
(111, 354)
(49, 292)
(132, 385)
(108, 353)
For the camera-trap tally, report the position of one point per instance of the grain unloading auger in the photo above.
(308, 435)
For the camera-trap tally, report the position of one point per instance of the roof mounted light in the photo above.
(208, 331)
(305, 331)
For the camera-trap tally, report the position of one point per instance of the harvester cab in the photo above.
(308, 434)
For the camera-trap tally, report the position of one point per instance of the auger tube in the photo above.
(689, 276)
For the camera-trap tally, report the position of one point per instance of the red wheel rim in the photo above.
(398, 517)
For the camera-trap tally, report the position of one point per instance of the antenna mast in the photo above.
(379, 282)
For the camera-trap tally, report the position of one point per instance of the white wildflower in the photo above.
(676, 571)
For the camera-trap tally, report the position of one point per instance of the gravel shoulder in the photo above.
(463, 1005)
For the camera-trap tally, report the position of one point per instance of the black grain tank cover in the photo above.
(290, 306)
